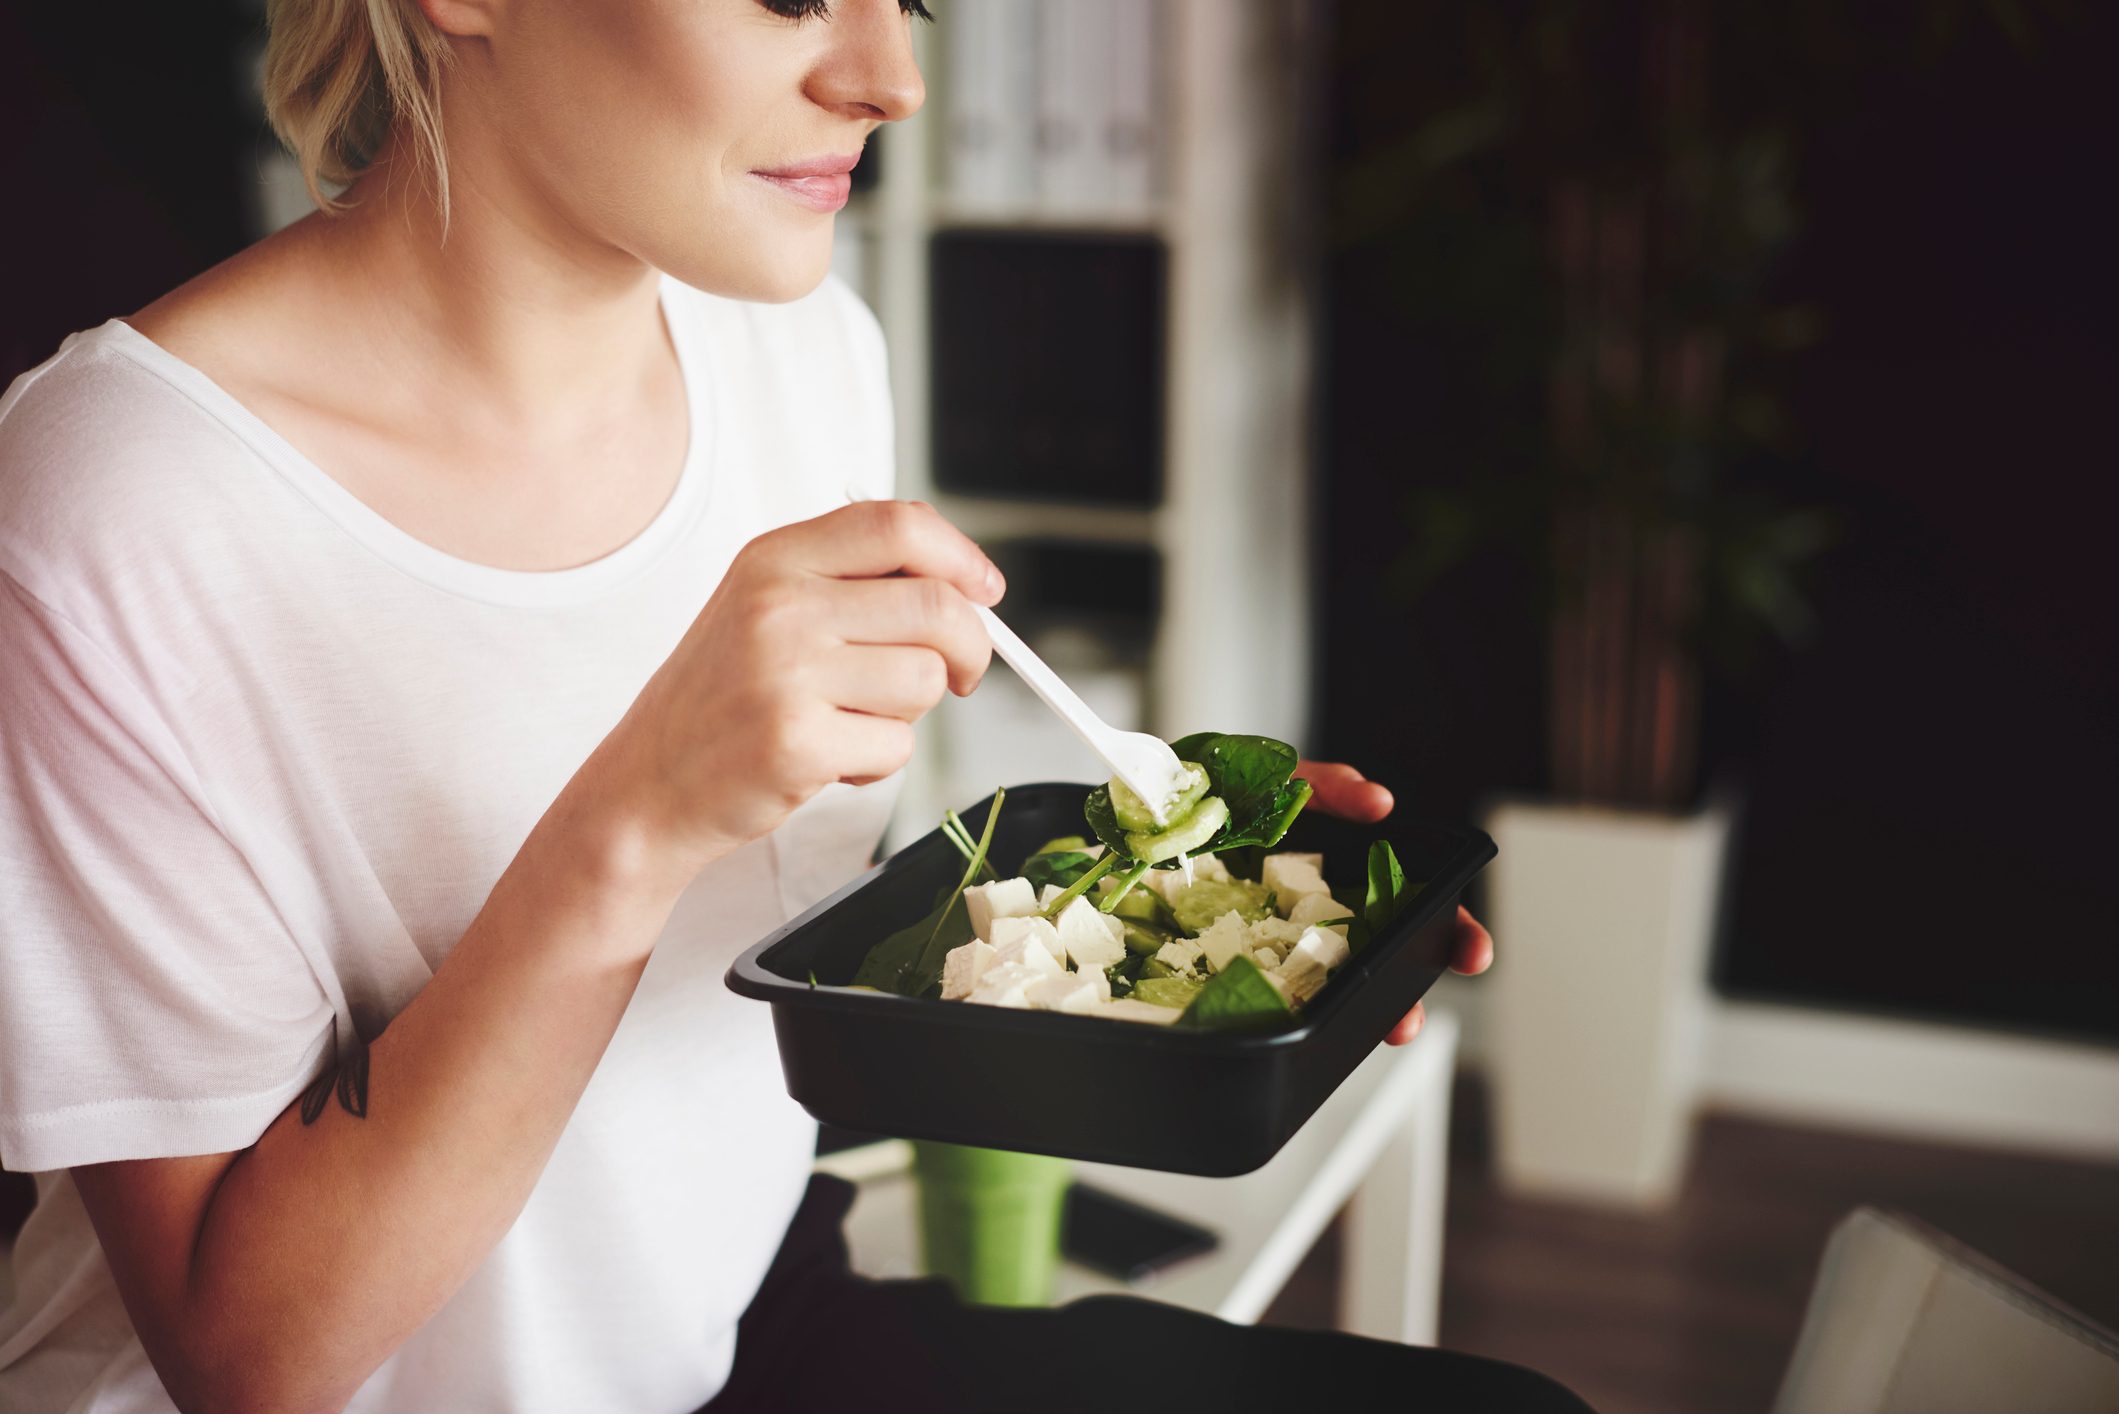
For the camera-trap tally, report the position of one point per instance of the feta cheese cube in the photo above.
(963, 967)
(1178, 954)
(1163, 882)
(1209, 866)
(1003, 898)
(1293, 877)
(1127, 1009)
(1227, 937)
(1276, 933)
(1325, 946)
(1046, 895)
(1317, 908)
(1032, 942)
(1065, 991)
(1099, 982)
(1300, 975)
(1092, 938)
(1266, 958)
(1005, 984)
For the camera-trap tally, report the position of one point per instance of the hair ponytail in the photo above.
(340, 75)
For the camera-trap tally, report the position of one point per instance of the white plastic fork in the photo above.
(1144, 762)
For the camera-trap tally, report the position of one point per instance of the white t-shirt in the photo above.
(263, 756)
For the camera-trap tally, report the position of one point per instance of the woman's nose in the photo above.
(870, 66)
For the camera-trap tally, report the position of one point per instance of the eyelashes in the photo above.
(800, 10)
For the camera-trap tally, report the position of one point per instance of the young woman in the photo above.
(435, 643)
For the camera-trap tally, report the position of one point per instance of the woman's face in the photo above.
(641, 126)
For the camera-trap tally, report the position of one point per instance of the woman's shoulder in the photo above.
(136, 382)
(108, 449)
(102, 409)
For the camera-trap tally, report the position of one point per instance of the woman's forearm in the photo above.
(325, 1246)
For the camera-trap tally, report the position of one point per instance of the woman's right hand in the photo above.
(822, 645)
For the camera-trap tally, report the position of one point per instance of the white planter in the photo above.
(1598, 995)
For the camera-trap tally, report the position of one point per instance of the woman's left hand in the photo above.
(1339, 789)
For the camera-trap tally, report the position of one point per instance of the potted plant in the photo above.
(1612, 211)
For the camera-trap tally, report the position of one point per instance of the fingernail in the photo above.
(995, 585)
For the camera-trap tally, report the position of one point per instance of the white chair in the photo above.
(1904, 1320)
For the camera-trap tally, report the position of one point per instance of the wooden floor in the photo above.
(1694, 1310)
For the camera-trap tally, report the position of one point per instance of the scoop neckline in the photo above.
(422, 561)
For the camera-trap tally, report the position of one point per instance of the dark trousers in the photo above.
(818, 1337)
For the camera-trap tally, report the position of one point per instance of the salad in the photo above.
(1194, 921)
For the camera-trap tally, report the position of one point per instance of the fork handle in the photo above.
(1048, 685)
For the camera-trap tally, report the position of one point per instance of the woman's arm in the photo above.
(280, 1277)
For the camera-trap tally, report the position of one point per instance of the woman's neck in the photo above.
(512, 313)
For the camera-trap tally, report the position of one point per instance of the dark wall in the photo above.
(124, 148)
(1928, 784)
(1947, 749)
(127, 146)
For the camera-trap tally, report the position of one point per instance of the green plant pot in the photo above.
(990, 1220)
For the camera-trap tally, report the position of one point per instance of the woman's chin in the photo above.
(785, 274)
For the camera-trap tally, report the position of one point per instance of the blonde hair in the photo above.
(340, 75)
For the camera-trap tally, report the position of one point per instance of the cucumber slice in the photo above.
(1140, 938)
(1200, 904)
(1133, 812)
(1186, 835)
(1168, 991)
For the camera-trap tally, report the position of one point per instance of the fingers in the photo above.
(904, 683)
(877, 538)
(1338, 789)
(870, 748)
(924, 613)
(1472, 950)
(1405, 1030)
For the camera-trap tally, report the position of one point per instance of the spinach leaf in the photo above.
(1253, 775)
(1089, 877)
(1386, 882)
(1247, 772)
(1237, 997)
(1388, 894)
(1061, 867)
(893, 964)
(1267, 829)
(1103, 821)
(909, 961)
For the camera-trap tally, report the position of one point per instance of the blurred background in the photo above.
(1664, 433)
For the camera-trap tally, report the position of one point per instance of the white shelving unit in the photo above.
(1230, 649)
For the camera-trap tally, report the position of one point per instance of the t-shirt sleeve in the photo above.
(152, 1001)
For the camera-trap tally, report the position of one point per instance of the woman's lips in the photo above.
(822, 193)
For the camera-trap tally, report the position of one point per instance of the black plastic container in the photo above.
(1121, 1092)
